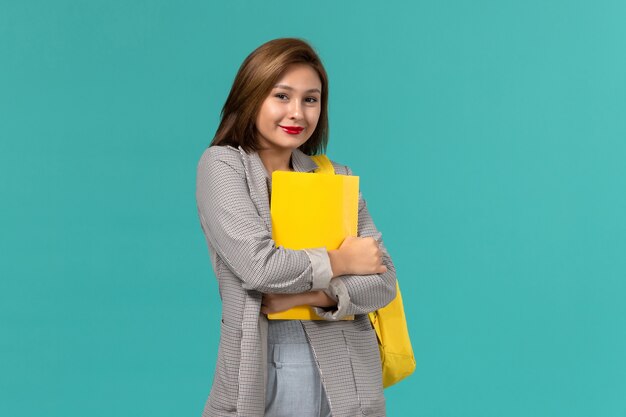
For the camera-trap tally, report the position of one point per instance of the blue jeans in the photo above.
(294, 386)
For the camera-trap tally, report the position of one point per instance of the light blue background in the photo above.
(490, 141)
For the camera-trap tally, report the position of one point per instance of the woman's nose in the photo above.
(295, 111)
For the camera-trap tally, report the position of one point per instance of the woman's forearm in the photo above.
(274, 303)
(320, 299)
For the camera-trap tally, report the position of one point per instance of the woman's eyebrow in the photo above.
(286, 87)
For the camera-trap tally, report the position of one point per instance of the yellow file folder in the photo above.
(311, 210)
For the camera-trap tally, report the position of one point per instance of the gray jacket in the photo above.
(233, 196)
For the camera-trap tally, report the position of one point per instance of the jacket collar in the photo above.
(301, 162)
(260, 182)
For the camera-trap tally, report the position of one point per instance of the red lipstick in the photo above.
(292, 130)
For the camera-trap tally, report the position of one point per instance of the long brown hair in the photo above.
(256, 77)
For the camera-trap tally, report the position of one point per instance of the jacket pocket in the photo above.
(366, 367)
(225, 388)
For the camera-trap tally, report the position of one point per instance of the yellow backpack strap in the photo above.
(324, 166)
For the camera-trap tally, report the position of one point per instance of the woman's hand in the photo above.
(275, 303)
(357, 256)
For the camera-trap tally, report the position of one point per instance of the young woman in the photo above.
(274, 118)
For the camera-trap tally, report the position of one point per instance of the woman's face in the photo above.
(288, 116)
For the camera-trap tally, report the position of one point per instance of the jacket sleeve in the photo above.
(361, 294)
(237, 233)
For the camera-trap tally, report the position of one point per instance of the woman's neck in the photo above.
(275, 160)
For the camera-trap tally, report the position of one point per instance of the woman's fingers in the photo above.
(275, 303)
(360, 256)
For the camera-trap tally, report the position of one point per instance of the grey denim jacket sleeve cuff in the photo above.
(338, 291)
(320, 264)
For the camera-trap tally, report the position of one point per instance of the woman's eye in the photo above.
(281, 96)
(311, 100)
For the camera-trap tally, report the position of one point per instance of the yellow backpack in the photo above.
(389, 322)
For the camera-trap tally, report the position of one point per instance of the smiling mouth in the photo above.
(292, 130)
